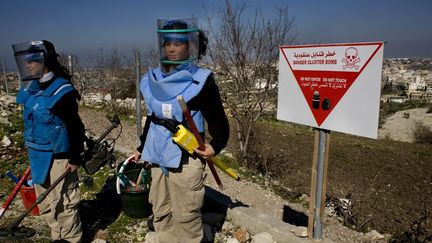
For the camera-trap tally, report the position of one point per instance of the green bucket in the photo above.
(135, 199)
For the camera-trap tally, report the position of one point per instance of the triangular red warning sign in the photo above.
(324, 77)
(323, 91)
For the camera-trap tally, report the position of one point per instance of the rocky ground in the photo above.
(254, 191)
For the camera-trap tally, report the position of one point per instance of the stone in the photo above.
(263, 237)
(108, 97)
(300, 231)
(6, 141)
(374, 235)
(276, 182)
(101, 235)
(232, 240)
(227, 226)
(241, 235)
(329, 211)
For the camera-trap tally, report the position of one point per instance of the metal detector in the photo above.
(99, 152)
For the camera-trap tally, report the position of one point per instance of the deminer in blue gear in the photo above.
(53, 134)
(177, 191)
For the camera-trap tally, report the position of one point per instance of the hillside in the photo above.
(388, 183)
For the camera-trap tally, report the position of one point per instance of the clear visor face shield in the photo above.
(178, 40)
(30, 60)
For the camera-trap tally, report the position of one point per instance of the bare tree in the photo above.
(245, 54)
(151, 57)
(80, 75)
(114, 73)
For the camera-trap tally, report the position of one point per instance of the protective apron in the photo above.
(44, 133)
(160, 94)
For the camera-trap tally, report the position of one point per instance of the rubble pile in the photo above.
(101, 100)
(7, 106)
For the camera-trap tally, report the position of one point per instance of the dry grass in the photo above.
(422, 134)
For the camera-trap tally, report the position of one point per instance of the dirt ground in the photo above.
(401, 125)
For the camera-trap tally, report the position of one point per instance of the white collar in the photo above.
(46, 77)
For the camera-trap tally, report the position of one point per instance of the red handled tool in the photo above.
(14, 192)
(194, 129)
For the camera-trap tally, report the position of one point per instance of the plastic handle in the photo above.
(12, 176)
(118, 182)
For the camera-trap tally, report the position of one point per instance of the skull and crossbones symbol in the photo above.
(351, 58)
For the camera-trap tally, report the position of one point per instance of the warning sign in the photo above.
(331, 86)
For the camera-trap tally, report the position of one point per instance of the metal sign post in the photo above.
(70, 64)
(138, 95)
(5, 77)
(318, 183)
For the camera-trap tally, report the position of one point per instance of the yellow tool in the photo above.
(187, 140)
(218, 162)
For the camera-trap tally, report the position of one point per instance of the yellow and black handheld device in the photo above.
(187, 141)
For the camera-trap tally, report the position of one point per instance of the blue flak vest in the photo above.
(160, 95)
(44, 133)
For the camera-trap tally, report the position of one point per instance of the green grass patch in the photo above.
(125, 227)
(424, 153)
(99, 179)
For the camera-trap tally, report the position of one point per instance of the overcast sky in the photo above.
(82, 27)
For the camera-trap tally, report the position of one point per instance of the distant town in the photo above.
(407, 79)
(402, 79)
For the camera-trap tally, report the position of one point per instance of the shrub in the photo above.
(422, 134)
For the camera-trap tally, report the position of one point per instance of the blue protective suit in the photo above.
(44, 133)
(160, 93)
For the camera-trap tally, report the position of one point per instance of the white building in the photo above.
(418, 84)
